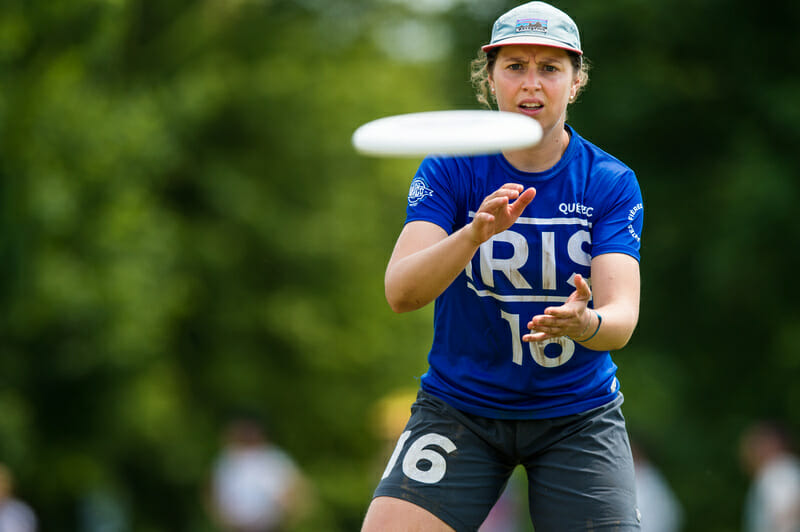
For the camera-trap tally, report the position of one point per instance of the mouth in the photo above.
(531, 107)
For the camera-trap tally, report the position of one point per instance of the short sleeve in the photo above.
(432, 195)
(618, 226)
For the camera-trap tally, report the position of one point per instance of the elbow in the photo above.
(400, 309)
(612, 342)
(624, 336)
(619, 344)
(400, 303)
(397, 294)
(401, 299)
(404, 294)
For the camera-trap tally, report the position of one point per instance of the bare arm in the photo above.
(426, 259)
(615, 284)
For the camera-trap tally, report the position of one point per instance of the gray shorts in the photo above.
(456, 465)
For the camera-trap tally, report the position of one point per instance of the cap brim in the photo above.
(527, 39)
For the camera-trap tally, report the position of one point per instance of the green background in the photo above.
(187, 233)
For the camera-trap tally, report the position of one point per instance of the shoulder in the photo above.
(17, 510)
(600, 161)
(607, 178)
(783, 472)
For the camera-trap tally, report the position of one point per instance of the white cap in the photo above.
(536, 23)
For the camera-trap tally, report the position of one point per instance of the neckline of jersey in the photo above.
(569, 153)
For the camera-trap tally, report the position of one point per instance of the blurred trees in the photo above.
(187, 234)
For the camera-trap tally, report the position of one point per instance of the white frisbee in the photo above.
(447, 133)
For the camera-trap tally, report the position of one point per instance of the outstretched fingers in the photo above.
(499, 210)
(510, 200)
(582, 289)
(569, 319)
(522, 202)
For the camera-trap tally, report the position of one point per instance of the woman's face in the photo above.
(537, 81)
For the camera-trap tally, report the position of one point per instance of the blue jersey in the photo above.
(588, 204)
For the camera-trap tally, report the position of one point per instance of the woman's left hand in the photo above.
(570, 319)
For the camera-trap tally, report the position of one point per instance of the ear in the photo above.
(573, 91)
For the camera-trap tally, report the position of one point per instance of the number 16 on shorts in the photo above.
(420, 454)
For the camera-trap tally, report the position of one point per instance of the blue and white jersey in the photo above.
(587, 205)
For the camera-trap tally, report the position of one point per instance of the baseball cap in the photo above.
(535, 23)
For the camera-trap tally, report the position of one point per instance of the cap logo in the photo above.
(533, 25)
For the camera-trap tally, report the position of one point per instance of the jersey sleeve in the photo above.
(618, 229)
(432, 195)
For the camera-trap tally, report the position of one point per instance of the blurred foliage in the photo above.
(187, 234)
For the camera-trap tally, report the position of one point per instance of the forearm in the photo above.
(616, 288)
(612, 330)
(417, 279)
(610, 324)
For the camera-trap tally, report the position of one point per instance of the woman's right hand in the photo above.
(499, 210)
(426, 259)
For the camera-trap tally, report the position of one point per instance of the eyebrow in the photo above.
(524, 59)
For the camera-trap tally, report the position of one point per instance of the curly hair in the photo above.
(483, 64)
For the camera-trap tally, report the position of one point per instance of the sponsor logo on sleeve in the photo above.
(635, 212)
(418, 191)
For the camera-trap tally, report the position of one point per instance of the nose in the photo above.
(531, 81)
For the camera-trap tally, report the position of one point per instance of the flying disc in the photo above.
(447, 133)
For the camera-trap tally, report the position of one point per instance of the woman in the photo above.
(520, 370)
